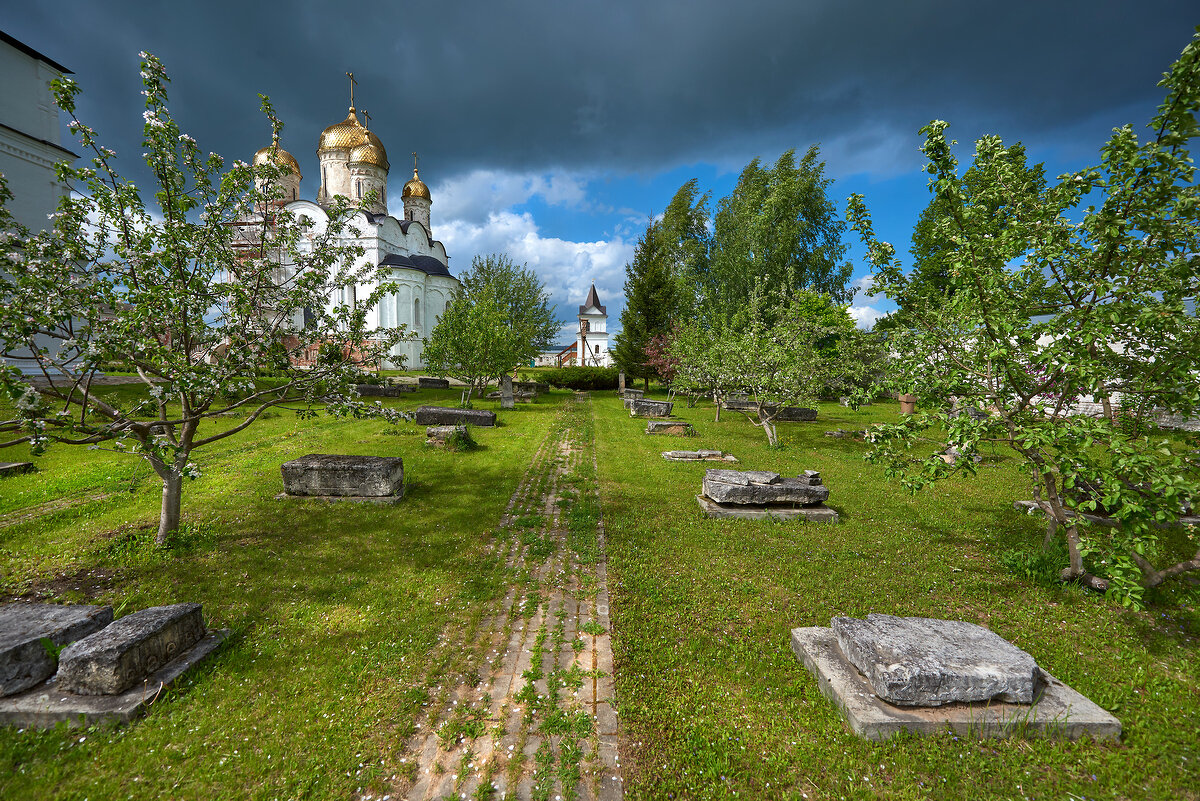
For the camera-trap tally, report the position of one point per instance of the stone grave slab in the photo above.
(336, 476)
(920, 661)
(378, 390)
(763, 488)
(15, 468)
(123, 653)
(697, 456)
(24, 660)
(814, 513)
(786, 414)
(1057, 711)
(449, 416)
(425, 382)
(650, 408)
(839, 433)
(438, 435)
(675, 428)
(48, 704)
(506, 392)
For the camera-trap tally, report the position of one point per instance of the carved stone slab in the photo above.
(1057, 712)
(14, 468)
(697, 456)
(762, 488)
(650, 408)
(448, 416)
(425, 382)
(378, 390)
(506, 392)
(676, 428)
(24, 659)
(351, 476)
(920, 661)
(47, 705)
(128, 650)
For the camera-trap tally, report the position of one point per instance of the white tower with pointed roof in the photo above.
(592, 343)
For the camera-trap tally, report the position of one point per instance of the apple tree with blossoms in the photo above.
(208, 288)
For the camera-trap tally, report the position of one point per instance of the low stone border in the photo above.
(816, 513)
(47, 704)
(1059, 712)
(698, 456)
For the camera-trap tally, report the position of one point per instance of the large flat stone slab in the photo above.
(698, 456)
(763, 488)
(449, 416)
(125, 652)
(47, 704)
(379, 390)
(921, 661)
(322, 474)
(24, 659)
(425, 382)
(673, 428)
(815, 513)
(15, 468)
(784, 414)
(649, 408)
(1057, 712)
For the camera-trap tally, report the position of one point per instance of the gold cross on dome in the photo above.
(414, 162)
(367, 117)
(350, 75)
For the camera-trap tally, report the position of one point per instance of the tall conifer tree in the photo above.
(650, 297)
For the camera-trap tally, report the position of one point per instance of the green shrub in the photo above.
(581, 377)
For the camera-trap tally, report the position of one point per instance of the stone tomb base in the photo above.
(47, 704)
(698, 456)
(813, 513)
(1057, 711)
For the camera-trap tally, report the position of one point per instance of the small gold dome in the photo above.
(277, 155)
(416, 188)
(371, 151)
(342, 135)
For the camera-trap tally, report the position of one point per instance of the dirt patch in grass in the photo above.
(84, 585)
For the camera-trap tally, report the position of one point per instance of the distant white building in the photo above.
(591, 345)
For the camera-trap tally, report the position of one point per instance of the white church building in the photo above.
(591, 344)
(353, 163)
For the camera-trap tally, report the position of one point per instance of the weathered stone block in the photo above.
(348, 476)
(130, 649)
(447, 416)
(506, 392)
(697, 456)
(811, 513)
(761, 488)
(919, 661)
(439, 435)
(676, 428)
(15, 468)
(633, 394)
(650, 408)
(425, 382)
(534, 387)
(377, 390)
(24, 659)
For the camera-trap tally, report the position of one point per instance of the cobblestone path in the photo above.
(532, 714)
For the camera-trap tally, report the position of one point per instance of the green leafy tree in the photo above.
(499, 319)
(650, 292)
(779, 229)
(1063, 303)
(198, 298)
(686, 241)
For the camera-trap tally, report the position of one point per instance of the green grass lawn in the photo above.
(337, 609)
(338, 612)
(715, 705)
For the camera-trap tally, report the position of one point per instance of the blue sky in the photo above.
(551, 131)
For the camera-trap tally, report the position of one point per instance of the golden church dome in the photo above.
(416, 188)
(342, 135)
(370, 151)
(277, 155)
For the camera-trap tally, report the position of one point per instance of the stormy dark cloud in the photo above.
(536, 95)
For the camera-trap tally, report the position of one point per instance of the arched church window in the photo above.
(416, 312)
(358, 188)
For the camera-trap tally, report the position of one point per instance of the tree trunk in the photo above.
(168, 518)
(645, 384)
(769, 427)
(717, 401)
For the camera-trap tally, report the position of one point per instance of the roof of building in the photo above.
(426, 264)
(29, 51)
(592, 300)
